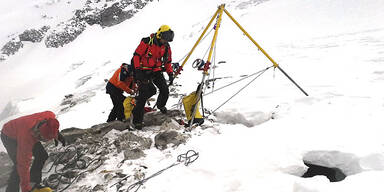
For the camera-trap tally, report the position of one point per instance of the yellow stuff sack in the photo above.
(188, 102)
(129, 104)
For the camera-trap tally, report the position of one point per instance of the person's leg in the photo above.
(161, 83)
(11, 147)
(112, 115)
(146, 90)
(40, 156)
(120, 107)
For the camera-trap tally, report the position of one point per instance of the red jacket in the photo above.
(20, 129)
(127, 85)
(149, 53)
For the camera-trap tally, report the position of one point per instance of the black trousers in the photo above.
(117, 98)
(39, 154)
(146, 90)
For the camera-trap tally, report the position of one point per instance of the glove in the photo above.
(170, 78)
(60, 138)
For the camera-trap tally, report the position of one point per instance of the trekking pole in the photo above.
(263, 51)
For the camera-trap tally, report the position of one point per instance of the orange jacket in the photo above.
(128, 85)
(20, 129)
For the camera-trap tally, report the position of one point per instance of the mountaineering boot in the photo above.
(138, 126)
(163, 110)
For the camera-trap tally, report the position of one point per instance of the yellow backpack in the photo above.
(129, 104)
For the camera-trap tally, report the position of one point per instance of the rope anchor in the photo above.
(187, 158)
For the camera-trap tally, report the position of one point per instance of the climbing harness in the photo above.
(186, 158)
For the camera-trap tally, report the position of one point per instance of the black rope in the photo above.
(261, 72)
(186, 158)
(73, 160)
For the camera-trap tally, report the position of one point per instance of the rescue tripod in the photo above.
(219, 14)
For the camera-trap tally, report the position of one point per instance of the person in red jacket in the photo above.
(21, 138)
(121, 80)
(151, 58)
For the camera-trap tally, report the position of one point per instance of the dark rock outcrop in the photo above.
(72, 134)
(5, 168)
(167, 138)
(112, 13)
(34, 35)
(65, 33)
(157, 118)
(11, 47)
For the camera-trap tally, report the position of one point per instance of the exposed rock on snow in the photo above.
(65, 33)
(166, 138)
(157, 118)
(5, 168)
(72, 100)
(34, 35)
(87, 150)
(105, 13)
(12, 47)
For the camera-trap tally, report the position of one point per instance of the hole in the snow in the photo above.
(334, 174)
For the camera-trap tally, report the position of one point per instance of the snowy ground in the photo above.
(333, 49)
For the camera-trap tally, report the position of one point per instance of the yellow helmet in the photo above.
(165, 33)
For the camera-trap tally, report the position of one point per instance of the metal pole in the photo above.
(302, 90)
(264, 52)
(205, 73)
(197, 42)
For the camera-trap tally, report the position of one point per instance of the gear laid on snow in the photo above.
(187, 158)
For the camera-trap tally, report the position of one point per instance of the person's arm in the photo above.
(168, 63)
(139, 52)
(24, 158)
(124, 85)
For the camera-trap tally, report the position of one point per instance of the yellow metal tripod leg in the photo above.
(197, 42)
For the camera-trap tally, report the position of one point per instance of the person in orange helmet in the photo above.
(22, 138)
(121, 80)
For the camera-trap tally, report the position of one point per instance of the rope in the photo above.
(261, 72)
(186, 158)
(73, 159)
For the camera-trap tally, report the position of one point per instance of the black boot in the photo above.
(163, 110)
(138, 126)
